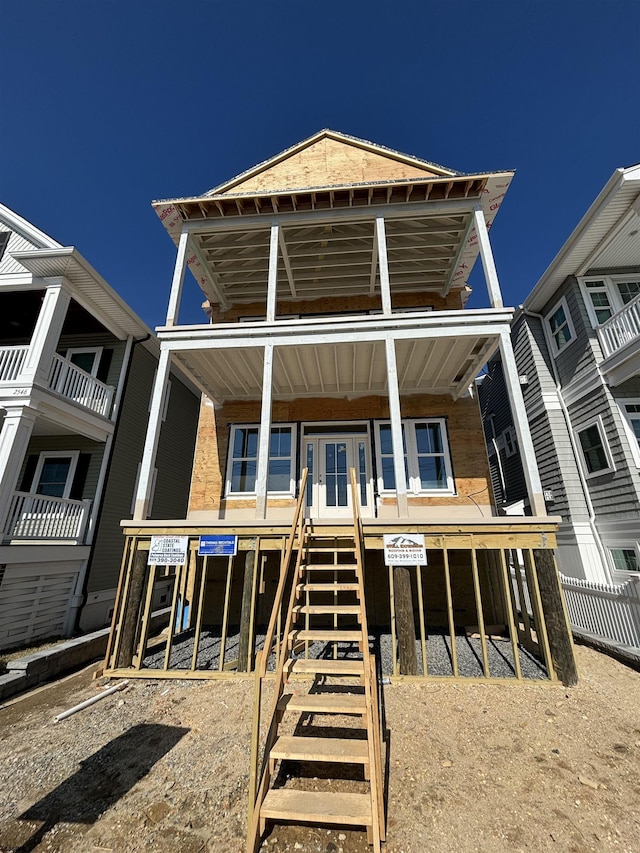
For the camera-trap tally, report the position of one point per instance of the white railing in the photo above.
(11, 362)
(621, 328)
(45, 517)
(75, 384)
(611, 611)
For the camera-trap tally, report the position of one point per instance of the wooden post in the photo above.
(555, 616)
(405, 624)
(245, 615)
(132, 605)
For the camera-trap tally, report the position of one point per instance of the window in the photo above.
(426, 457)
(625, 559)
(607, 295)
(54, 473)
(242, 467)
(509, 441)
(631, 412)
(86, 358)
(559, 320)
(4, 242)
(595, 449)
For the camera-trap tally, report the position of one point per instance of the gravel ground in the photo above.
(438, 652)
(471, 768)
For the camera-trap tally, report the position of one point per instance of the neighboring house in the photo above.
(76, 371)
(577, 346)
(336, 277)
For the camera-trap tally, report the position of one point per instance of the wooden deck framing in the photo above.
(496, 567)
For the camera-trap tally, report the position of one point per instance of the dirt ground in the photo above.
(163, 766)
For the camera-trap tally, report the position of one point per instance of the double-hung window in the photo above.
(426, 457)
(560, 325)
(606, 295)
(595, 449)
(242, 467)
(631, 412)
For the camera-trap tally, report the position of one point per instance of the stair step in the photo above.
(318, 666)
(317, 807)
(328, 609)
(333, 749)
(328, 587)
(323, 703)
(328, 635)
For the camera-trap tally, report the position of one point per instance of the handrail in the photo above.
(73, 383)
(621, 328)
(257, 789)
(12, 359)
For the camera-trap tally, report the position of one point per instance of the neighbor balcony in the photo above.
(37, 518)
(619, 339)
(64, 378)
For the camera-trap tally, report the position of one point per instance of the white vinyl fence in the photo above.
(611, 611)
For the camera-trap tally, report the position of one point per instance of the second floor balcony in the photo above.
(64, 378)
(37, 518)
(619, 339)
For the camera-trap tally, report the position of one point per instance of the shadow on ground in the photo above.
(101, 781)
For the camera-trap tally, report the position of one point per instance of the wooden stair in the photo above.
(340, 682)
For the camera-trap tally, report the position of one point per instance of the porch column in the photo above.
(46, 333)
(145, 480)
(488, 264)
(175, 295)
(14, 441)
(272, 281)
(396, 428)
(381, 246)
(516, 400)
(262, 474)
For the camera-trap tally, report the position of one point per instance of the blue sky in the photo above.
(108, 105)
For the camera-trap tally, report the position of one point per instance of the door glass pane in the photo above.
(362, 473)
(53, 477)
(310, 474)
(83, 360)
(336, 473)
(628, 290)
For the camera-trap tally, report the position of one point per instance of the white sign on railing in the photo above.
(404, 549)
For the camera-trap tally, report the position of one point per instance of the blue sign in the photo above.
(218, 546)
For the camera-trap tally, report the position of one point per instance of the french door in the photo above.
(329, 460)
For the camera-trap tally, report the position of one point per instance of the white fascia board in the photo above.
(572, 254)
(17, 223)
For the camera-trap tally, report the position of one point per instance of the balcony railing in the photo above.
(11, 362)
(620, 329)
(75, 384)
(38, 517)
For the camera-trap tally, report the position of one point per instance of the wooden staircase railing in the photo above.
(295, 804)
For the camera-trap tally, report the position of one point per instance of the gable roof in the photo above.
(329, 158)
(606, 233)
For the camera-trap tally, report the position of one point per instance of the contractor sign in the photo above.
(404, 549)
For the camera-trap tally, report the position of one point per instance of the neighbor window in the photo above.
(625, 559)
(595, 449)
(54, 473)
(631, 412)
(560, 324)
(509, 441)
(243, 460)
(426, 456)
(606, 295)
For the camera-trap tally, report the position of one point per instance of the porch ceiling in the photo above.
(439, 365)
(337, 259)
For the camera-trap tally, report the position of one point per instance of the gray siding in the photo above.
(175, 452)
(578, 356)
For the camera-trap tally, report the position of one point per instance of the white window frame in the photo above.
(625, 545)
(610, 285)
(414, 486)
(56, 454)
(291, 491)
(597, 422)
(97, 352)
(627, 417)
(561, 303)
